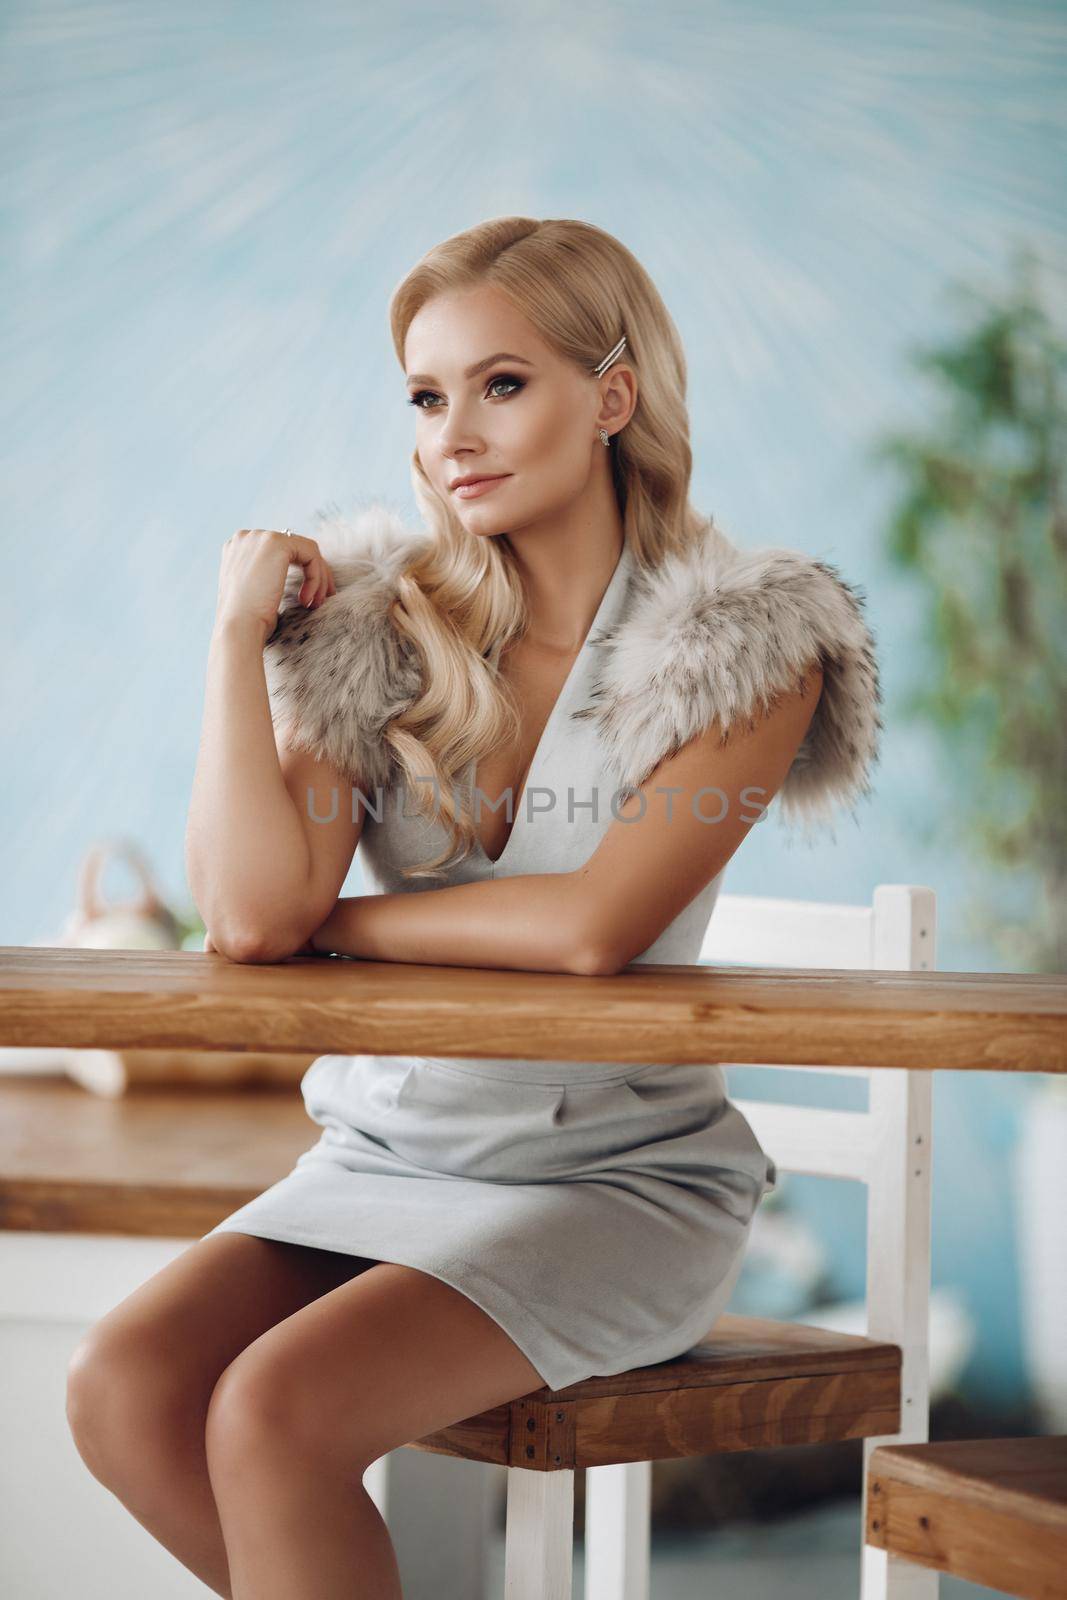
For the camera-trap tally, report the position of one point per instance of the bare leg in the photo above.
(298, 1417)
(141, 1380)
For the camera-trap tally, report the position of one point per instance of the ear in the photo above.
(717, 634)
(339, 674)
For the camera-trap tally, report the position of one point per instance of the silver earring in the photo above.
(601, 367)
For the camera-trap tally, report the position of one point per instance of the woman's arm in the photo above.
(262, 871)
(667, 843)
(531, 922)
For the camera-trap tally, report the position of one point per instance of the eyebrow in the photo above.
(472, 372)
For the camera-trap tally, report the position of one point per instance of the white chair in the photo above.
(753, 1382)
(889, 1147)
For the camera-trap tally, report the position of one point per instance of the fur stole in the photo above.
(716, 633)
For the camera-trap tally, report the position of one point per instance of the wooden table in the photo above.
(133, 999)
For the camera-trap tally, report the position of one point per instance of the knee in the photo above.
(119, 1404)
(264, 1413)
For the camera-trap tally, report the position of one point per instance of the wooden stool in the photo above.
(993, 1511)
(753, 1383)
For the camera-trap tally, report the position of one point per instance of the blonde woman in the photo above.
(549, 716)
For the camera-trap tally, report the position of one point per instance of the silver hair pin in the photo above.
(612, 355)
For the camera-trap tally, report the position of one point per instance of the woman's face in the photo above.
(525, 415)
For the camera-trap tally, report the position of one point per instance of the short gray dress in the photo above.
(598, 1212)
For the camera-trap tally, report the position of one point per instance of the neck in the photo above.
(565, 565)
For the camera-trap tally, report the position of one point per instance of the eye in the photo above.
(501, 377)
(505, 377)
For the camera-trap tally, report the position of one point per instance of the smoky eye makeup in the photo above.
(517, 384)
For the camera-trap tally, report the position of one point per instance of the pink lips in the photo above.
(468, 490)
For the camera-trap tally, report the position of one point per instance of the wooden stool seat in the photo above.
(752, 1383)
(993, 1511)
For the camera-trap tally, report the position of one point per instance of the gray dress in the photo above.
(597, 1211)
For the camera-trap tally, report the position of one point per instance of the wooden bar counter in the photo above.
(132, 999)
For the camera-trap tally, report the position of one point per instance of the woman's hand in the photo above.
(254, 567)
(208, 946)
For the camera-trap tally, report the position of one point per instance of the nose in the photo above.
(458, 438)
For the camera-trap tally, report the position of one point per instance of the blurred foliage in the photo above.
(981, 523)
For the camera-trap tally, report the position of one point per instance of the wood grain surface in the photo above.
(143, 1000)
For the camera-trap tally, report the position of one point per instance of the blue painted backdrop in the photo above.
(206, 211)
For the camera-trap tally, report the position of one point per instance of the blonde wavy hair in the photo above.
(461, 601)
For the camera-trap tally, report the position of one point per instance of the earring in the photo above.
(605, 438)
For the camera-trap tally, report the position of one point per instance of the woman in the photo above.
(530, 704)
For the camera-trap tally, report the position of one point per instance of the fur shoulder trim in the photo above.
(713, 634)
(717, 633)
(337, 675)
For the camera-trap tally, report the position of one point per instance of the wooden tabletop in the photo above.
(143, 1000)
(162, 1163)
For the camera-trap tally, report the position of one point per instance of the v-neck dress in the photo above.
(598, 1211)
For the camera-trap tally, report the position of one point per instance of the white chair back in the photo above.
(888, 1147)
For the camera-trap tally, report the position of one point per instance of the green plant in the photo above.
(981, 523)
